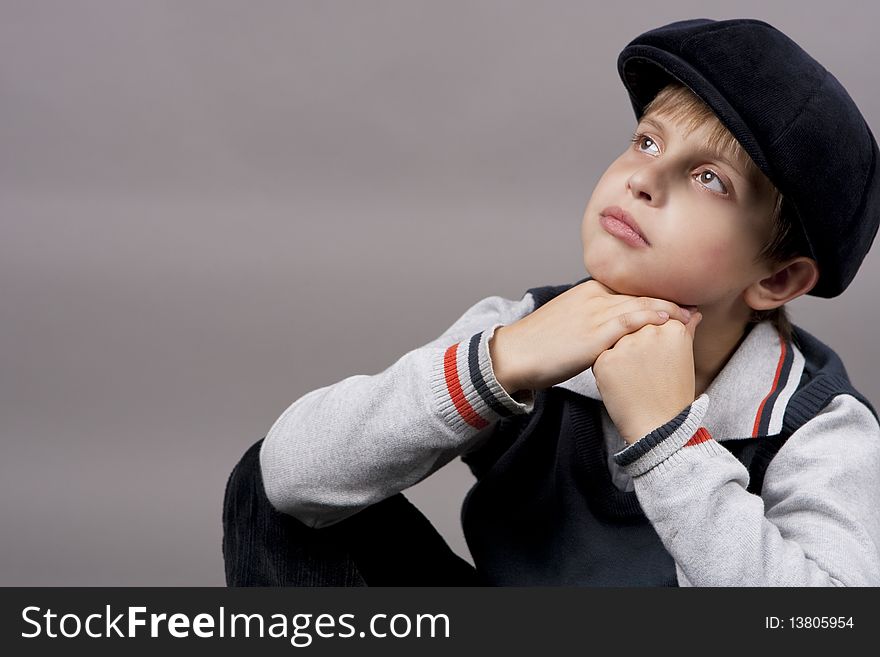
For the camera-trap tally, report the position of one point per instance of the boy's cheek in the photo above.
(708, 261)
(721, 252)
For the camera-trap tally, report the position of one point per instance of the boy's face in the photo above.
(703, 219)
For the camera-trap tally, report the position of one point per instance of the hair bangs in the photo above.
(682, 106)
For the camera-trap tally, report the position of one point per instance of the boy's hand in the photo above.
(647, 378)
(565, 336)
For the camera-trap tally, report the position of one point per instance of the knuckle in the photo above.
(674, 327)
(604, 358)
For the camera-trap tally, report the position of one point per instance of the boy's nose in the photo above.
(637, 187)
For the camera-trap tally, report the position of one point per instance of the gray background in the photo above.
(211, 208)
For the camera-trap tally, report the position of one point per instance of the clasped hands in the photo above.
(640, 349)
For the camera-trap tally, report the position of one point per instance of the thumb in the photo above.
(696, 318)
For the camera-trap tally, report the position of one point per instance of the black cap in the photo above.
(793, 118)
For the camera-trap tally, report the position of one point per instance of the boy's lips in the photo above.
(630, 231)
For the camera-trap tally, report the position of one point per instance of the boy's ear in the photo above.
(788, 281)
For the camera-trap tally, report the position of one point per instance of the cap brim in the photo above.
(645, 70)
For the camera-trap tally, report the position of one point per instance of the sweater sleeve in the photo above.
(343, 447)
(816, 522)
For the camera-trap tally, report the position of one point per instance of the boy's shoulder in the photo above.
(824, 377)
(543, 293)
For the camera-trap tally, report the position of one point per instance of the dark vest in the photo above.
(544, 510)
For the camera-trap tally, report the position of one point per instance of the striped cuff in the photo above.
(465, 387)
(683, 431)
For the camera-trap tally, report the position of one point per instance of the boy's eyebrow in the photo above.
(657, 123)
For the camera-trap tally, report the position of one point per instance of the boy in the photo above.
(658, 423)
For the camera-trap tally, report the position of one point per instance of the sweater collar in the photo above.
(749, 396)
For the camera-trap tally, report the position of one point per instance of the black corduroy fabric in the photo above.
(262, 547)
(390, 543)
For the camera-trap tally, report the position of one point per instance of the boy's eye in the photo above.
(706, 178)
(639, 139)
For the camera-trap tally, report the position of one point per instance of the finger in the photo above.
(692, 325)
(615, 328)
(634, 304)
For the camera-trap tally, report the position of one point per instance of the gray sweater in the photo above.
(816, 522)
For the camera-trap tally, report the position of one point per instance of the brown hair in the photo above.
(680, 104)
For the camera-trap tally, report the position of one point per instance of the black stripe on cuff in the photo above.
(642, 446)
(479, 382)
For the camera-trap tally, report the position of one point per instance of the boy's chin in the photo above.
(618, 284)
(631, 286)
(612, 272)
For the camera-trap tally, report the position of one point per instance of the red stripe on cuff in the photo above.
(453, 387)
(701, 436)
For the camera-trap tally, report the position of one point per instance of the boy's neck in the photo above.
(716, 340)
